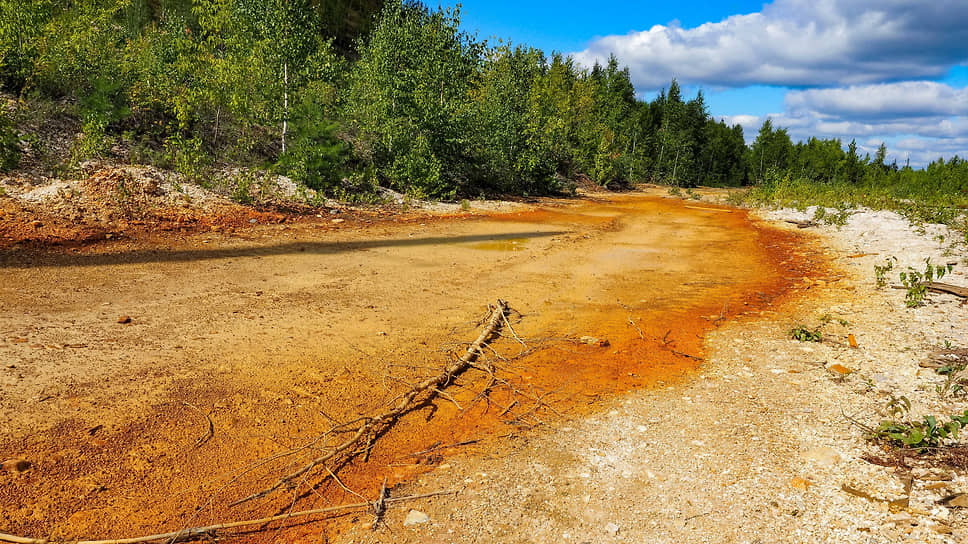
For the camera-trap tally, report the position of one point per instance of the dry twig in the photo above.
(210, 530)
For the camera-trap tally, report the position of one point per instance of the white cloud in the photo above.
(908, 99)
(799, 43)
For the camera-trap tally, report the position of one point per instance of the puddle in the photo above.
(509, 244)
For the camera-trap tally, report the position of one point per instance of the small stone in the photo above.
(958, 500)
(824, 456)
(124, 319)
(253, 221)
(612, 528)
(839, 370)
(337, 221)
(16, 466)
(36, 224)
(592, 341)
(800, 483)
(415, 517)
(852, 340)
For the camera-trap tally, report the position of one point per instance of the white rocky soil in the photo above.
(756, 447)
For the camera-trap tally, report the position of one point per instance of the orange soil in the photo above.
(281, 332)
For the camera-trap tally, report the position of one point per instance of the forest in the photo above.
(345, 95)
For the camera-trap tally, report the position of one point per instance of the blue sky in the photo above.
(893, 71)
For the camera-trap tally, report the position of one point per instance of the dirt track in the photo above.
(275, 330)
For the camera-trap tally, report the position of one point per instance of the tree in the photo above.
(410, 103)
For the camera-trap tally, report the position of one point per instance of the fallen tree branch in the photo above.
(947, 288)
(209, 530)
(211, 425)
(373, 426)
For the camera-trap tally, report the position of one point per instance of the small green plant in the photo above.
(838, 218)
(9, 144)
(916, 282)
(242, 188)
(804, 334)
(918, 435)
(692, 194)
(830, 318)
(953, 383)
(186, 156)
(465, 205)
(675, 191)
(881, 270)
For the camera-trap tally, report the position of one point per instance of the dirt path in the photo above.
(276, 331)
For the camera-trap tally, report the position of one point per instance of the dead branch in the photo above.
(211, 426)
(209, 530)
(373, 426)
(380, 505)
(947, 288)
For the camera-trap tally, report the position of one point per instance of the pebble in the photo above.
(612, 528)
(124, 319)
(16, 466)
(415, 517)
(823, 455)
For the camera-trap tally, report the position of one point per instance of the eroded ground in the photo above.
(276, 331)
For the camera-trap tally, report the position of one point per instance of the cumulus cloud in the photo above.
(799, 43)
(908, 99)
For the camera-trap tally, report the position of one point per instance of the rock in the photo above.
(337, 221)
(932, 474)
(253, 221)
(612, 528)
(839, 370)
(16, 466)
(958, 500)
(415, 517)
(852, 340)
(823, 456)
(592, 341)
(800, 483)
(124, 319)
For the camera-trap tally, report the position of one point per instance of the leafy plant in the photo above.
(920, 435)
(242, 188)
(838, 218)
(881, 270)
(917, 282)
(9, 143)
(953, 383)
(804, 334)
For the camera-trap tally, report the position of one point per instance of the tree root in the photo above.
(416, 396)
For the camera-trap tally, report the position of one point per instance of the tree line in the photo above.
(345, 94)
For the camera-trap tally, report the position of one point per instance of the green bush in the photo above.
(9, 143)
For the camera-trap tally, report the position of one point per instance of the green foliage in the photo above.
(917, 282)
(410, 102)
(919, 435)
(954, 382)
(416, 104)
(9, 143)
(186, 156)
(881, 270)
(804, 334)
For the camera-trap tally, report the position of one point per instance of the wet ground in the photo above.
(275, 332)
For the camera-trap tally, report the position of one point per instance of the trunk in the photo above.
(675, 166)
(285, 104)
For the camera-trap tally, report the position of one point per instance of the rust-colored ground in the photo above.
(278, 330)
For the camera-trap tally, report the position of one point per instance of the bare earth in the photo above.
(275, 331)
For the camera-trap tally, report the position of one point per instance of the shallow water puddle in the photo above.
(509, 244)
